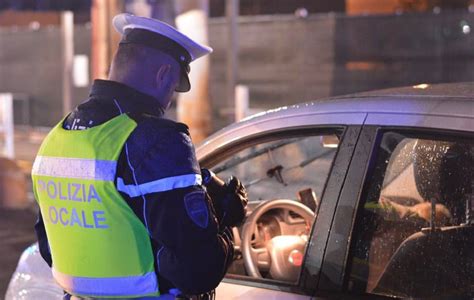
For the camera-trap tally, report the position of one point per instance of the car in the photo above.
(362, 196)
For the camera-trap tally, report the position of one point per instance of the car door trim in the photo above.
(335, 256)
(321, 229)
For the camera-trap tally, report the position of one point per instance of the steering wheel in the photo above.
(275, 254)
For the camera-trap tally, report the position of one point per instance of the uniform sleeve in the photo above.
(162, 183)
(43, 240)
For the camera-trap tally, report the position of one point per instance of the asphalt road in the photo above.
(16, 233)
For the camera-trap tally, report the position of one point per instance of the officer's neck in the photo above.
(135, 83)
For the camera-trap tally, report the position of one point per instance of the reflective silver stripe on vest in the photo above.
(160, 185)
(108, 287)
(75, 168)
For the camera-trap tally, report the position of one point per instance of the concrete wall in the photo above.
(389, 51)
(31, 64)
(284, 60)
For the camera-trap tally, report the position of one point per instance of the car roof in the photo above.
(452, 99)
(447, 90)
(388, 107)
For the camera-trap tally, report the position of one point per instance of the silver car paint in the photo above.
(454, 114)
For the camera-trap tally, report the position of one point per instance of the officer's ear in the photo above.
(162, 75)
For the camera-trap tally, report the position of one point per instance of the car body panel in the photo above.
(33, 279)
(325, 215)
(337, 248)
(421, 121)
(237, 291)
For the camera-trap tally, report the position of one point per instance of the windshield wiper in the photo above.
(276, 173)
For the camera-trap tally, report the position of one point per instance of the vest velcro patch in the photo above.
(196, 208)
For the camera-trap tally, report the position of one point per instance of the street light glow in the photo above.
(421, 86)
(466, 29)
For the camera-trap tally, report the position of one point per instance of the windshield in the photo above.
(280, 169)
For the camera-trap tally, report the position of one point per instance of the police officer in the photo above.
(124, 209)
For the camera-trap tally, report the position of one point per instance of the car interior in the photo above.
(285, 179)
(419, 231)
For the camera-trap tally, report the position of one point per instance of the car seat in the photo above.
(437, 261)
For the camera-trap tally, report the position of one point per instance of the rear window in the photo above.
(414, 233)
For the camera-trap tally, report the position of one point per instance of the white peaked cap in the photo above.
(126, 21)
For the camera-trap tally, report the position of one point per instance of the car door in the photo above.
(304, 166)
(403, 226)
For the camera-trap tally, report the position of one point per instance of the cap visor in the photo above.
(184, 85)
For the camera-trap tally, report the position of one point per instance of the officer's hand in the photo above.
(233, 205)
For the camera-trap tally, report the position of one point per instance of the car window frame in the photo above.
(309, 275)
(336, 263)
(235, 146)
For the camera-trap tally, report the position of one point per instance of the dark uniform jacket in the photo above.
(190, 255)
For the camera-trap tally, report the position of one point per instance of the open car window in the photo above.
(415, 232)
(285, 179)
(280, 169)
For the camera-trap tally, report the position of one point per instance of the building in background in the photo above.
(288, 51)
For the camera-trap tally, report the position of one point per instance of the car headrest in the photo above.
(444, 171)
